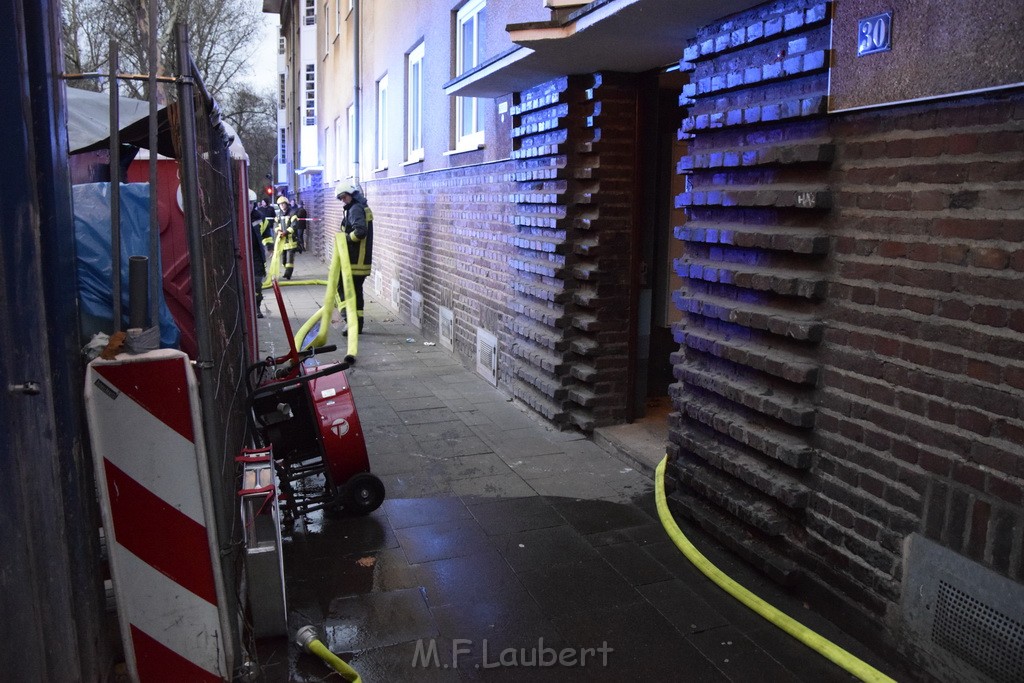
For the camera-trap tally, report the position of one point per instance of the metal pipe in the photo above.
(155, 275)
(355, 93)
(120, 77)
(115, 191)
(138, 274)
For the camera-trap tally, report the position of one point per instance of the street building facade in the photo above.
(798, 222)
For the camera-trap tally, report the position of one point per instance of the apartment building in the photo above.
(799, 222)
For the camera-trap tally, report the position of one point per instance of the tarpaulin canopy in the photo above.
(89, 122)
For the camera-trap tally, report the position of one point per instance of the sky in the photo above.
(263, 71)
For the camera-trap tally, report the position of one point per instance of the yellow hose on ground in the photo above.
(306, 638)
(822, 646)
(340, 269)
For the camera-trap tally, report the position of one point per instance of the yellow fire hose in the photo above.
(825, 648)
(307, 640)
(340, 269)
(274, 270)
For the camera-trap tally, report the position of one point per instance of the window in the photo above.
(414, 105)
(282, 146)
(352, 141)
(310, 12)
(311, 94)
(469, 123)
(382, 122)
(280, 45)
(337, 17)
(282, 91)
(337, 147)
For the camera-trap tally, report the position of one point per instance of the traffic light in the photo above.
(269, 191)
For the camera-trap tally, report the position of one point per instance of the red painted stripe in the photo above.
(159, 535)
(159, 386)
(156, 662)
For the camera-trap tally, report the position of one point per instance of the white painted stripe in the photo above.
(129, 436)
(171, 615)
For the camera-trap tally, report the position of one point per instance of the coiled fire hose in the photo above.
(819, 644)
(306, 638)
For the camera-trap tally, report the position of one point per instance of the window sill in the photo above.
(415, 159)
(463, 150)
(380, 169)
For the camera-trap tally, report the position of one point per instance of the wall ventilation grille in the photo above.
(984, 637)
(377, 282)
(416, 308)
(487, 355)
(396, 291)
(446, 328)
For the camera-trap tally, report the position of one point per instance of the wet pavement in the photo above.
(506, 550)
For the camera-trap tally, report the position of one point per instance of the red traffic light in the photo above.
(269, 191)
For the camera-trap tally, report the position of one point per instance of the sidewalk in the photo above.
(504, 543)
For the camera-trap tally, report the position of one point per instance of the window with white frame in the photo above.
(282, 146)
(337, 147)
(469, 26)
(382, 122)
(337, 17)
(310, 94)
(280, 45)
(282, 91)
(310, 12)
(414, 104)
(352, 141)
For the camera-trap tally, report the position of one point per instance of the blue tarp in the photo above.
(92, 241)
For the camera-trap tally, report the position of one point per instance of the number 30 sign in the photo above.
(874, 34)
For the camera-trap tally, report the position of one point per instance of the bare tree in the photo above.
(222, 35)
(253, 114)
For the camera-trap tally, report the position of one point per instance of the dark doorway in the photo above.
(658, 184)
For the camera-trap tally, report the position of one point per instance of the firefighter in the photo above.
(266, 228)
(285, 228)
(358, 228)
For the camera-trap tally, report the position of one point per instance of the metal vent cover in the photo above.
(416, 308)
(487, 355)
(446, 327)
(964, 620)
(377, 282)
(396, 291)
(979, 634)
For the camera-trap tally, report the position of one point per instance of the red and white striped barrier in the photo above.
(151, 469)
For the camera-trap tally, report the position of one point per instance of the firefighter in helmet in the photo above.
(285, 228)
(357, 226)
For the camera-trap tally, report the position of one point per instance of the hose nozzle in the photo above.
(306, 638)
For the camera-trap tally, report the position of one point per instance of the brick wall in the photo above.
(575, 141)
(446, 235)
(851, 367)
(754, 270)
(921, 420)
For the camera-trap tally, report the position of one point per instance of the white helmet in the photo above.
(344, 188)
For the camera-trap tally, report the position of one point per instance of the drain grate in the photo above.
(984, 637)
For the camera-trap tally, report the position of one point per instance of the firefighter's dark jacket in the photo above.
(358, 228)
